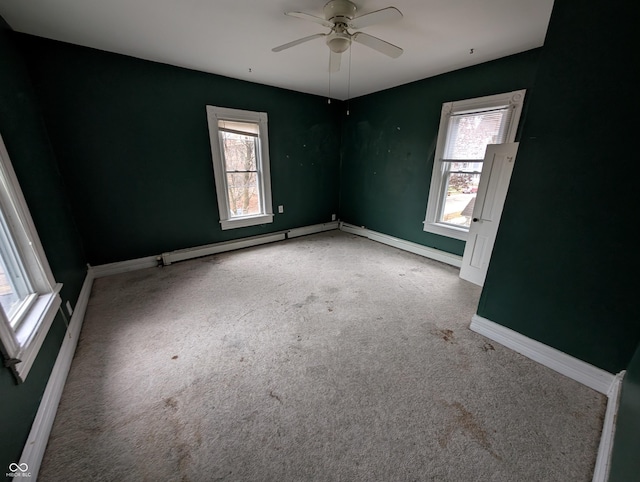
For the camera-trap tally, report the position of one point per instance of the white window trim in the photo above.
(20, 346)
(214, 114)
(514, 99)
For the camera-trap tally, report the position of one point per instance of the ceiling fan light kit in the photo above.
(339, 40)
(340, 16)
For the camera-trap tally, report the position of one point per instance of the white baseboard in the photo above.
(578, 370)
(41, 428)
(118, 267)
(603, 462)
(316, 228)
(593, 377)
(427, 252)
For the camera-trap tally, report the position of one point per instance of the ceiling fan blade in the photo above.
(312, 18)
(384, 15)
(377, 44)
(297, 42)
(334, 61)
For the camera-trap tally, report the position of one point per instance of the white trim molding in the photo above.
(313, 229)
(603, 462)
(33, 451)
(118, 267)
(36, 327)
(427, 252)
(511, 103)
(217, 117)
(578, 370)
(27, 272)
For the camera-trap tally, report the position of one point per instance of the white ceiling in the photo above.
(234, 37)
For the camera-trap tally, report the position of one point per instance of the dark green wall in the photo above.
(389, 143)
(562, 266)
(26, 140)
(559, 271)
(132, 141)
(625, 463)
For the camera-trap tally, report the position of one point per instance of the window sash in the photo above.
(24, 327)
(249, 125)
(444, 190)
(450, 149)
(250, 131)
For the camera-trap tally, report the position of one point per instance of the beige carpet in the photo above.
(323, 358)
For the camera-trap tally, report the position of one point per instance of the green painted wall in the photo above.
(562, 270)
(389, 141)
(130, 140)
(26, 140)
(625, 463)
(133, 146)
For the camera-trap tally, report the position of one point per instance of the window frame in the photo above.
(513, 100)
(21, 341)
(215, 114)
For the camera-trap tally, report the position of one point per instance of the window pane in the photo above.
(8, 298)
(244, 196)
(461, 192)
(14, 286)
(239, 151)
(469, 134)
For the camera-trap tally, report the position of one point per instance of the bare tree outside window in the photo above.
(242, 173)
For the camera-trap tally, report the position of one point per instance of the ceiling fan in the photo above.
(340, 16)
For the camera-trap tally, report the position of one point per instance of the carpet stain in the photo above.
(488, 347)
(446, 335)
(171, 403)
(467, 423)
(273, 395)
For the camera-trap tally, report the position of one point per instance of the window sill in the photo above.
(34, 328)
(446, 230)
(245, 221)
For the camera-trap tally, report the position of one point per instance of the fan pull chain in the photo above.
(329, 69)
(349, 82)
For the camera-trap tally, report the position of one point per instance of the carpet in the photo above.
(327, 357)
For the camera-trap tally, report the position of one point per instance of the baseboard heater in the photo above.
(199, 251)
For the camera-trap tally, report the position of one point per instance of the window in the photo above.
(466, 127)
(29, 295)
(240, 152)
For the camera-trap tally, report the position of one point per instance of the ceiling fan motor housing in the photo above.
(339, 11)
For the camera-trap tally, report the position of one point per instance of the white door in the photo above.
(492, 192)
